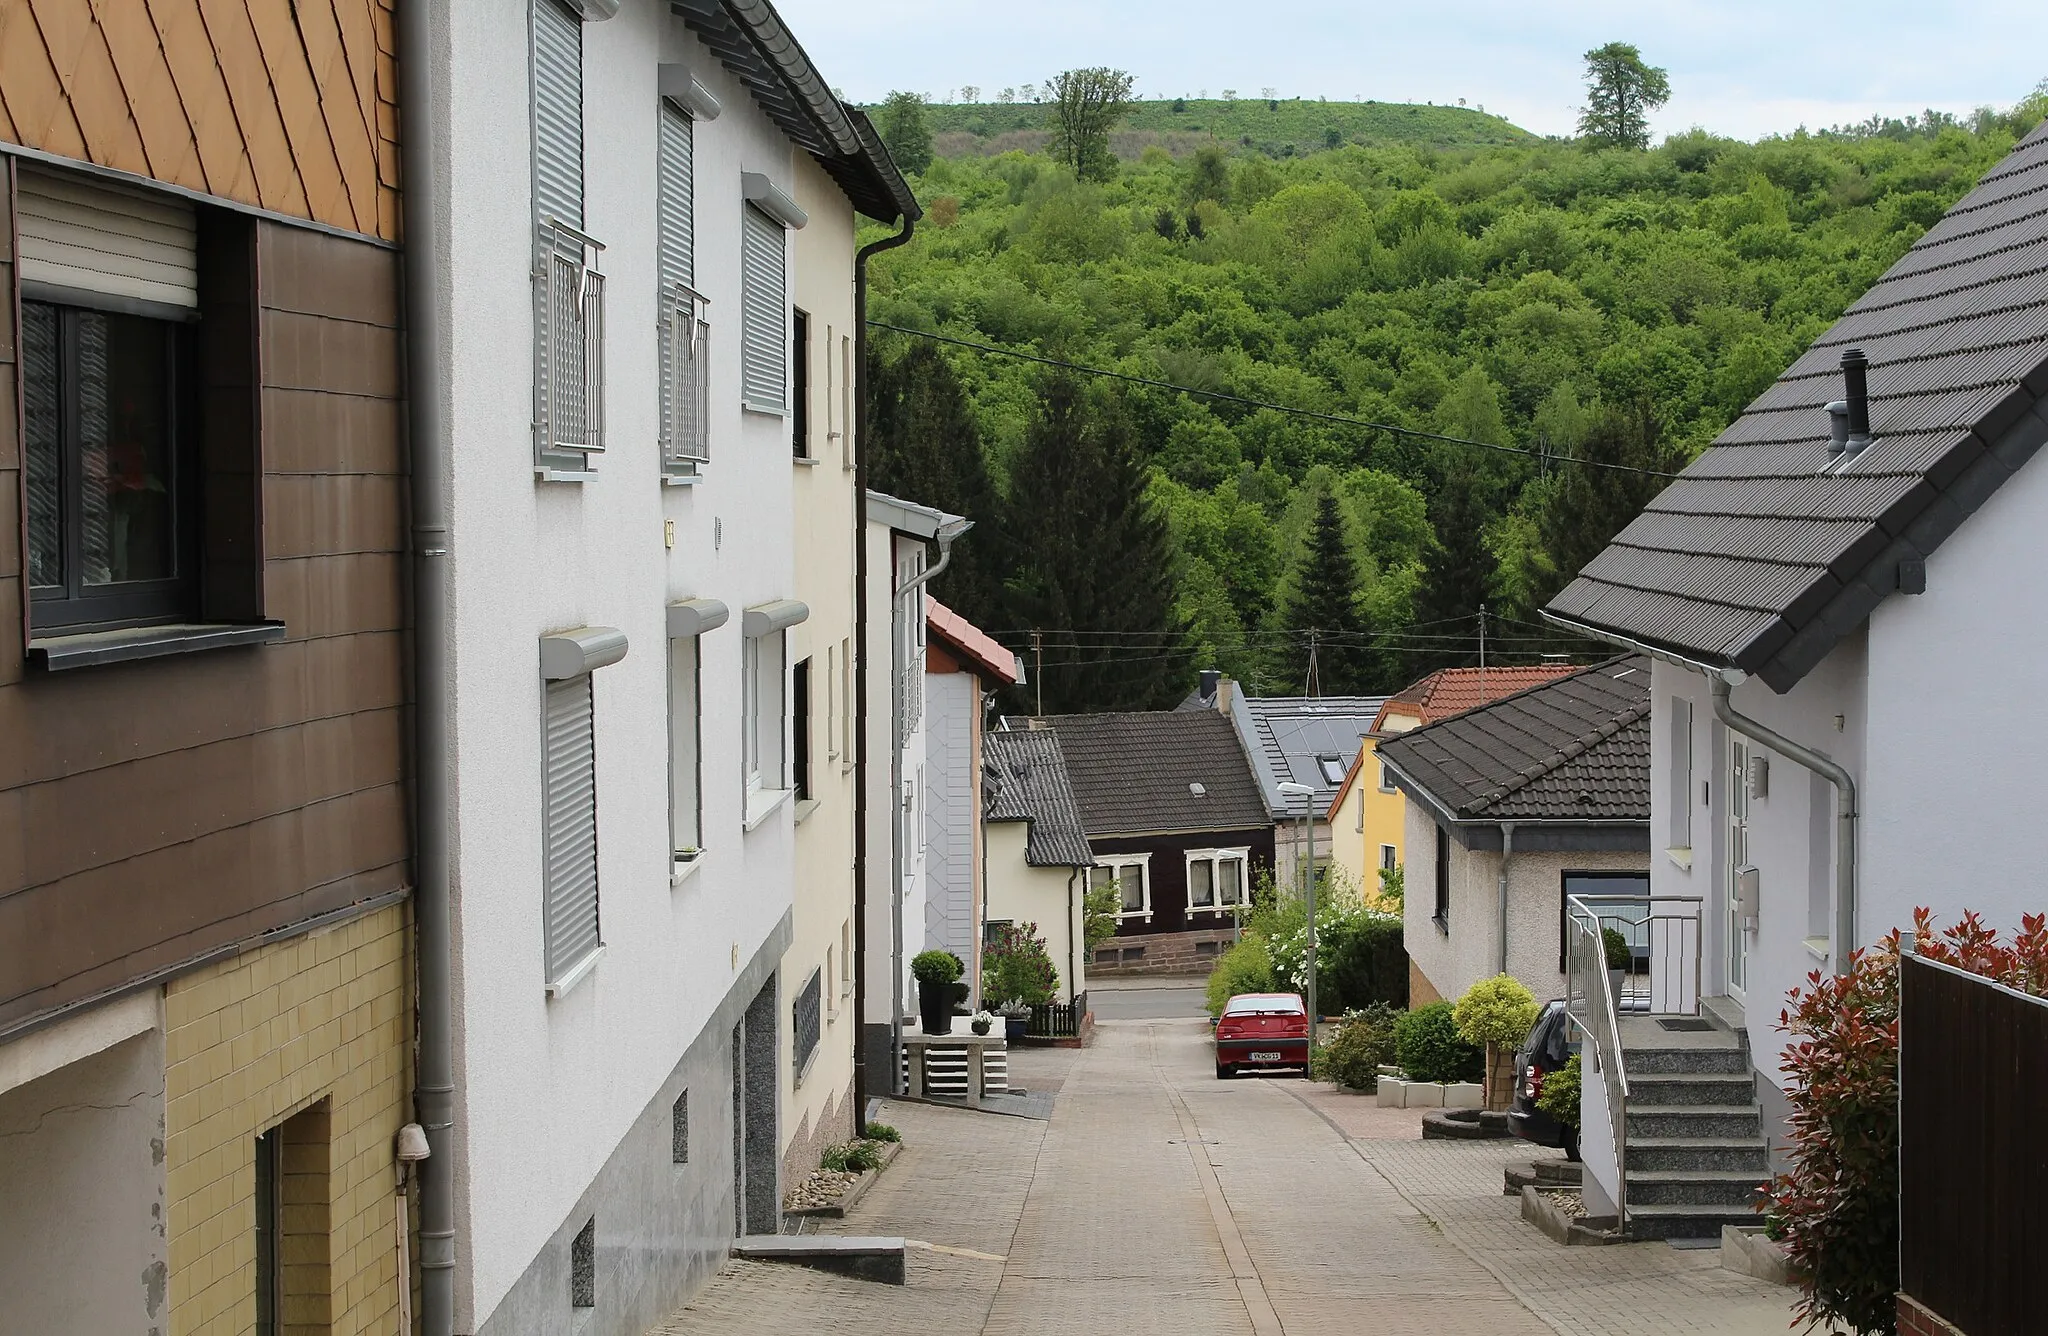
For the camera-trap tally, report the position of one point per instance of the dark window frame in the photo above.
(74, 607)
(800, 383)
(1564, 894)
(800, 728)
(1442, 910)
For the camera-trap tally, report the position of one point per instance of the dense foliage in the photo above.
(1560, 1095)
(1362, 1043)
(1247, 967)
(1427, 1046)
(1016, 967)
(1496, 1011)
(1836, 1210)
(1618, 304)
(936, 967)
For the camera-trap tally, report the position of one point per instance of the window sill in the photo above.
(681, 479)
(86, 649)
(577, 974)
(544, 474)
(1817, 947)
(804, 808)
(806, 461)
(1681, 857)
(765, 410)
(762, 804)
(682, 869)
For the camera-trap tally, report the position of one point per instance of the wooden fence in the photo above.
(1057, 1020)
(1973, 1166)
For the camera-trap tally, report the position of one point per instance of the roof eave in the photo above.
(1591, 631)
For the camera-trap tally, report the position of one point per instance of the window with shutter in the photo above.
(764, 314)
(570, 808)
(685, 333)
(568, 375)
(557, 114)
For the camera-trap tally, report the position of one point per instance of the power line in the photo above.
(1339, 418)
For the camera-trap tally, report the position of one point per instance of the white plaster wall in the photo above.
(571, 1074)
(1597, 1150)
(1025, 894)
(885, 982)
(952, 701)
(82, 1247)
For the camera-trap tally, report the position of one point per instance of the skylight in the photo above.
(1332, 768)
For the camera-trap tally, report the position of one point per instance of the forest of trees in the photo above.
(1617, 305)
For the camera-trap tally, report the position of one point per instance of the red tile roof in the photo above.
(1449, 691)
(973, 642)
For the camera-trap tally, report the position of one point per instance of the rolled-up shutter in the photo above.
(684, 350)
(764, 313)
(557, 114)
(674, 180)
(79, 235)
(571, 839)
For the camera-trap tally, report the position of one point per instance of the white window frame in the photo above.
(1116, 863)
(1215, 859)
(765, 689)
(1325, 764)
(1387, 784)
(684, 328)
(568, 299)
(846, 710)
(568, 660)
(1390, 857)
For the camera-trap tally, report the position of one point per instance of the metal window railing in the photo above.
(805, 1021)
(568, 380)
(686, 379)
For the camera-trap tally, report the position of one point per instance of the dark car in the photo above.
(1261, 1032)
(1550, 1045)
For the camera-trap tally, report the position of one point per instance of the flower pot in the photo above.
(979, 1027)
(1014, 1026)
(1615, 978)
(935, 1007)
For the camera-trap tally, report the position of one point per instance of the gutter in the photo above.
(423, 61)
(1507, 855)
(860, 665)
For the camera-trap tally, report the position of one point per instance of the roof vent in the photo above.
(1195, 787)
(1838, 426)
(1855, 367)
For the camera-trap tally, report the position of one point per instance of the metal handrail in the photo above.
(1589, 1003)
(1686, 986)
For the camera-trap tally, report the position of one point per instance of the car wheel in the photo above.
(1571, 1144)
(1223, 1073)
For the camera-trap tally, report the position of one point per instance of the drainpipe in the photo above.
(1507, 852)
(860, 663)
(422, 43)
(1845, 812)
(1071, 993)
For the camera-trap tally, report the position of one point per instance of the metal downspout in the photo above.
(1845, 812)
(860, 664)
(1507, 853)
(422, 65)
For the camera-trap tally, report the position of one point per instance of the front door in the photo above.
(1738, 858)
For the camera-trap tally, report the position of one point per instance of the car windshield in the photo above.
(1264, 1006)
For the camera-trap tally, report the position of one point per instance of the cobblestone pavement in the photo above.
(1160, 1200)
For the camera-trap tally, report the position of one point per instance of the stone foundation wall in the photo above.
(1192, 952)
(808, 1143)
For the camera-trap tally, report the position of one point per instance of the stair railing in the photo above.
(1590, 1001)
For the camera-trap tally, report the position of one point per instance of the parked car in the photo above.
(1262, 1032)
(1550, 1045)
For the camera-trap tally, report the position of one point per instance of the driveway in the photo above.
(1160, 1200)
(1142, 998)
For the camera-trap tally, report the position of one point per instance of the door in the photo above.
(1738, 858)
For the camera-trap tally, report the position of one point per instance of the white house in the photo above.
(1039, 862)
(615, 607)
(1850, 637)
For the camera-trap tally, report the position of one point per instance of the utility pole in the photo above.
(1482, 653)
(1038, 670)
(1312, 686)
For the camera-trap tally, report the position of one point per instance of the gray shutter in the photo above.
(764, 313)
(1681, 773)
(557, 113)
(104, 239)
(674, 182)
(684, 335)
(570, 801)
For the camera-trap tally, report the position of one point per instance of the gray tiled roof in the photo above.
(1753, 560)
(1132, 772)
(1284, 736)
(1574, 749)
(1026, 780)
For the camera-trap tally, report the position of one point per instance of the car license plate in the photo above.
(1266, 1057)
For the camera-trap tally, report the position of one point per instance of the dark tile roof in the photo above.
(1752, 558)
(1573, 749)
(1132, 772)
(1285, 735)
(1025, 777)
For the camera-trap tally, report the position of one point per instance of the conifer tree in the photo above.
(1458, 572)
(1091, 555)
(1321, 616)
(1588, 506)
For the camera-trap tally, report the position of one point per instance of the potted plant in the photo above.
(1495, 1015)
(1016, 1014)
(981, 1022)
(935, 972)
(1619, 958)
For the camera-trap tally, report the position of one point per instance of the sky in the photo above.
(1743, 68)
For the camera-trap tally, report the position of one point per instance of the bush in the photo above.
(881, 1132)
(1362, 962)
(1393, 888)
(855, 1157)
(1099, 908)
(1560, 1097)
(936, 967)
(1245, 968)
(1619, 957)
(1363, 1043)
(1497, 1011)
(1015, 967)
(1428, 1048)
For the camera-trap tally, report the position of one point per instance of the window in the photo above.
(763, 708)
(1387, 779)
(685, 754)
(800, 369)
(1332, 767)
(679, 1130)
(764, 314)
(583, 1266)
(845, 401)
(112, 520)
(1390, 858)
(800, 728)
(570, 786)
(269, 1228)
(685, 333)
(846, 958)
(846, 712)
(293, 1221)
(1130, 877)
(568, 380)
(1216, 878)
(1442, 912)
(1632, 925)
(806, 1016)
(1681, 773)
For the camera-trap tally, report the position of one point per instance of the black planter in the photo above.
(935, 1007)
(1014, 1026)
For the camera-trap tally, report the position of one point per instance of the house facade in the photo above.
(1176, 823)
(1305, 740)
(1368, 820)
(1038, 853)
(613, 191)
(1512, 807)
(1838, 599)
(205, 876)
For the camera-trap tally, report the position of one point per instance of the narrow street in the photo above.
(1158, 1199)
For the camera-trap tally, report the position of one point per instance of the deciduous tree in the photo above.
(906, 130)
(1086, 105)
(1621, 92)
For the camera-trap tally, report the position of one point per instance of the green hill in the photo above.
(1283, 128)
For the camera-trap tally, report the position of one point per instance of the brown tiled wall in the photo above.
(153, 812)
(291, 105)
(1165, 953)
(319, 1023)
(12, 626)
(1915, 1319)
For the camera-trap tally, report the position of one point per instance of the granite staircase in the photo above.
(1695, 1155)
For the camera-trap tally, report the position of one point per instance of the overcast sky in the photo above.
(1738, 67)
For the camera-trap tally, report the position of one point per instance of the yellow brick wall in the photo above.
(251, 1042)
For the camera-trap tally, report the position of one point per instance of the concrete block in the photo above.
(1464, 1095)
(1421, 1095)
(878, 1258)
(1745, 1249)
(1390, 1092)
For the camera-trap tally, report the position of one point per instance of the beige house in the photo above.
(1038, 855)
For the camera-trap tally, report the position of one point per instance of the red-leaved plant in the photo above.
(1837, 1211)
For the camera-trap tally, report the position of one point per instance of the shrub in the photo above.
(1496, 1011)
(936, 967)
(1015, 967)
(855, 1157)
(1361, 962)
(881, 1132)
(1393, 888)
(1099, 907)
(1364, 1041)
(1246, 967)
(1560, 1097)
(1428, 1048)
(1619, 957)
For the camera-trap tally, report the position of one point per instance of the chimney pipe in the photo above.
(1855, 367)
(1211, 677)
(1838, 426)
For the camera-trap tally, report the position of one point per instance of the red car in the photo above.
(1261, 1032)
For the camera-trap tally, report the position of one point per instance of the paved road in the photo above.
(1135, 1001)
(1159, 1200)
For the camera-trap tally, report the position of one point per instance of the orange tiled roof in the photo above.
(1449, 691)
(990, 657)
